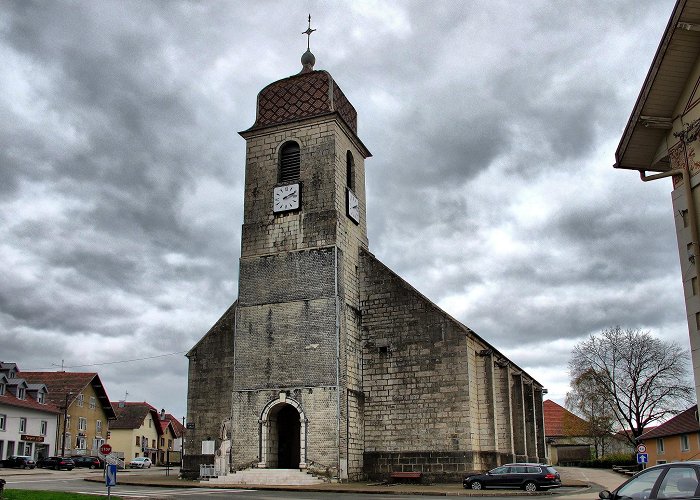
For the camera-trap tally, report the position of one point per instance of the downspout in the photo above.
(337, 356)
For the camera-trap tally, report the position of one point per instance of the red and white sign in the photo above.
(106, 449)
(641, 448)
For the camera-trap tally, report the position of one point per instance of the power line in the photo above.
(113, 362)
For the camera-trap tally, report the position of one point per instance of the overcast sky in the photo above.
(493, 126)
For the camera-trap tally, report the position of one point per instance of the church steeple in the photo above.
(308, 59)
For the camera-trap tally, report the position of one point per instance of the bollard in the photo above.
(2, 488)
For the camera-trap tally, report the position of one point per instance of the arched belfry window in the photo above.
(290, 160)
(350, 170)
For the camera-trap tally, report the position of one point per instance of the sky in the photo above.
(492, 124)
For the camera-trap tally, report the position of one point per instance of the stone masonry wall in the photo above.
(415, 374)
(285, 333)
(209, 386)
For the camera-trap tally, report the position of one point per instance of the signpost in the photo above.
(110, 476)
(641, 448)
(642, 458)
(105, 449)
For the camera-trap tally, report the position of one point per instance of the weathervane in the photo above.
(308, 34)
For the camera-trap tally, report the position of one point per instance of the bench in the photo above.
(406, 475)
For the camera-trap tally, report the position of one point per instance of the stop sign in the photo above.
(105, 449)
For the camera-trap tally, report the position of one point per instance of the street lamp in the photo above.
(65, 416)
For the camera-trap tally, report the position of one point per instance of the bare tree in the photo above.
(643, 379)
(586, 399)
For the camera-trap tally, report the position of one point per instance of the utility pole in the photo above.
(65, 415)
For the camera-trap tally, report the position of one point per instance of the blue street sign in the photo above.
(642, 458)
(111, 475)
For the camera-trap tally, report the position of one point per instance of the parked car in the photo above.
(57, 463)
(140, 463)
(89, 462)
(19, 462)
(676, 480)
(529, 477)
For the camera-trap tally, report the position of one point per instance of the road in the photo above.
(73, 481)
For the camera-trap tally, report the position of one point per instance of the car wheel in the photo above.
(530, 486)
(26, 467)
(476, 485)
(92, 466)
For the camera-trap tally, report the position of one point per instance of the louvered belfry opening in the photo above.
(290, 160)
(350, 171)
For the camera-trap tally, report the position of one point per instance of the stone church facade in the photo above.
(328, 360)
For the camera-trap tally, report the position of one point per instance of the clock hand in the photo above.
(290, 195)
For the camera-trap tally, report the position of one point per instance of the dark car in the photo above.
(678, 480)
(529, 477)
(89, 462)
(19, 462)
(58, 463)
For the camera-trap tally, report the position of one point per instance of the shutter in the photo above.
(290, 160)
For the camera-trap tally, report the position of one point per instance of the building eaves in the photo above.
(653, 112)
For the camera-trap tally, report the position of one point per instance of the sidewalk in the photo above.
(590, 481)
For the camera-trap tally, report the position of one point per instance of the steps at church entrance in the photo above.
(267, 476)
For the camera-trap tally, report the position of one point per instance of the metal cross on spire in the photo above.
(308, 34)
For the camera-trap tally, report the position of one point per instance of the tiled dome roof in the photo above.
(305, 95)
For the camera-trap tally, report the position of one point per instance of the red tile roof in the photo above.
(560, 422)
(177, 425)
(9, 399)
(131, 415)
(683, 423)
(61, 384)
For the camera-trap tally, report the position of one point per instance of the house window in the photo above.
(20, 393)
(153, 443)
(66, 441)
(290, 162)
(40, 397)
(80, 399)
(162, 441)
(149, 423)
(138, 440)
(98, 426)
(44, 427)
(81, 443)
(660, 445)
(3, 421)
(170, 443)
(23, 424)
(2, 389)
(685, 442)
(92, 402)
(82, 423)
(350, 170)
(67, 421)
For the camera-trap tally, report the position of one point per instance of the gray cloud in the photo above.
(492, 125)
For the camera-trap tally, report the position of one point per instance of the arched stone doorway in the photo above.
(283, 435)
(285, 449)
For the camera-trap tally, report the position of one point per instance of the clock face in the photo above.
(286, 198)
(353, 207)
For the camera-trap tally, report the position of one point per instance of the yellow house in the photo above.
(136, 431)
(85, 409)
(675, 440)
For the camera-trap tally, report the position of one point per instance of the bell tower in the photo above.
(297, 388)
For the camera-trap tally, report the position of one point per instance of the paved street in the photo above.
(154, 484)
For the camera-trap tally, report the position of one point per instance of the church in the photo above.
(329, 362)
